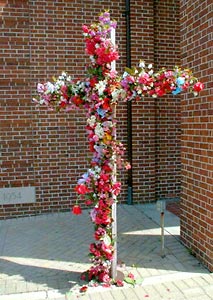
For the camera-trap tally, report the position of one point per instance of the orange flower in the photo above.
(107, 138)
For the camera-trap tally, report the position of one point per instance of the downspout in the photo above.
(129, 105)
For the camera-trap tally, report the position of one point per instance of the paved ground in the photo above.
(42, 258)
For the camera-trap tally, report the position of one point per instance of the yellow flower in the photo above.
(107, 137)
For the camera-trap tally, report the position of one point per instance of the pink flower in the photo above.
(119, 283)
(127, 166)
(40, 88)
(104, 277)
(88, 202)
(85, 29)
(116, 188)
(93, 249)
(99, 233)
(108, 250)
(130, 275)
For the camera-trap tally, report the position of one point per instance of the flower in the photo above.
(130, 275)
(98, 94)
(83, 289)
(199, 86)
(82, 189)
(104, 277)
(177, 90)
(119, 283)
(76, 210)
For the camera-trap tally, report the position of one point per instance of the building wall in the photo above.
(197, 128)
(49, 150)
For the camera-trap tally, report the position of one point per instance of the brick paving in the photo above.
(42, 257)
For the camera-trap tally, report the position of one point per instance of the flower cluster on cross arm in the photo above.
(98, 94)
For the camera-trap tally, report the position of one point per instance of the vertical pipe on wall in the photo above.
(129, 104)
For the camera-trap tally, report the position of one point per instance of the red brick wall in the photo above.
(44, 149)
(143, 125)
(156, 122)
(197, 128)
(167, 120)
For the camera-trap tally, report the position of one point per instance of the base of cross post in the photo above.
(117, 275)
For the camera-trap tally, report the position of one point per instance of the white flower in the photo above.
(142, 64)
(92, 59)
(62, 76)
(108, 124)
(116, 94)
(150, 66)
(91, 121)
(99, 131)
(100, 87)
(125, 74)
(50, 87)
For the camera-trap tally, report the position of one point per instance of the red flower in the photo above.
(82, 189)
(83, 289)
(77, 100)
(104, 277)
(104, 177)
(199, 86)
(76, 210)
(93, 81)
(63, 104)
(106, 104)
(107, 168)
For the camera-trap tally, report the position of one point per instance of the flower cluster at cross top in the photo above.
(99, 94)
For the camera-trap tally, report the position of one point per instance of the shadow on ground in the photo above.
(50, 252)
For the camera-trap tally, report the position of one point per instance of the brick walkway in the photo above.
(42, 258)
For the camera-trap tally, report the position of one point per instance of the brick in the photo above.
(163, 33)
(197, 189)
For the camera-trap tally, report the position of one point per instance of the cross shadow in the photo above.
(29, 278)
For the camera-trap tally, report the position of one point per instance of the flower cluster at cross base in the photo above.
(99, 94)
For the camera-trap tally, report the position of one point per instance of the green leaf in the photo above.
(130, 71)
(129, 280)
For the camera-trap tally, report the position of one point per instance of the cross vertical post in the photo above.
(114, 205)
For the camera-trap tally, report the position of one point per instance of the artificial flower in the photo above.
(199, 86)
(98, 94)
(76, 210)
(82, 189)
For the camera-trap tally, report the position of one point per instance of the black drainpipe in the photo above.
(129, 104)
